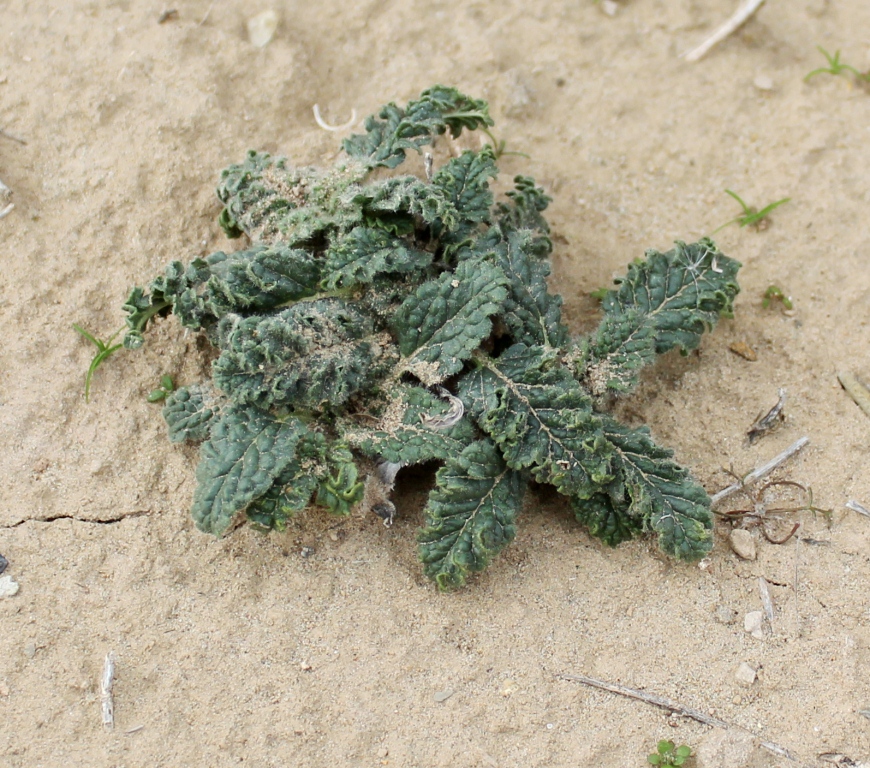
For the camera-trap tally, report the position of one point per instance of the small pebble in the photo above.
(509, 688)
(763, 83)
(306, 551)
(305, 666)
(262, 27)
(742, 543)
(753, 622)
(744, 350)
(725, 614)
(609, 7)
(30, 650)
(443, 695)
(8, 586)
(383, 752)
(745, 675)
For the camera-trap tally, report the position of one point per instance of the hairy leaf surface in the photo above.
(315, 352)
(660, 492)
(189, 411)
(471, 515)
(540, 418)
(666, 301)
(247, 451)
(442, 323)
(408, 430)
(364, 253)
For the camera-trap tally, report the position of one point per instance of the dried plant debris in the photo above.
(857, 391)
(767, 422)
(375, 321)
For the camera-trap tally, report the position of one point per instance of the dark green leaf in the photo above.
(441, 325)
(246, 453)
(665, 301)
(471, 515)
(540, 418)
(364, 253)
(465, 181)
(660, 492)
(188, 412)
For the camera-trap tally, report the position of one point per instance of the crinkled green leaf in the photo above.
(660, 492)
(407, 195)
(527, 202)
(471, 514)
(254, 279)
(444, 321)
(189, 411)
(315, 352)
(606, 519)
(247, 451)
(465, 181)
(364, 252)
(437, 110)
(666, 301)
(531, 313)
(540, 418)
(340, 487)
(272, 201)
(410, 429)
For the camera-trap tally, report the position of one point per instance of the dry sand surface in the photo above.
(244, 651)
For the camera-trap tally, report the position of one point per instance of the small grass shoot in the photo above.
(105, 349)
(751, 216)
(836, 67)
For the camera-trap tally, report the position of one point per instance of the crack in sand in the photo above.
(106, 521)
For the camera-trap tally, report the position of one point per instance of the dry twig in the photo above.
(740, 17)
(673, 706)
(859, 508)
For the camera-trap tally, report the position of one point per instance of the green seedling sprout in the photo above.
(166, 386)
(599, 293)
(751, 216)
(836, 67)
(499, 146)
(775, 293)
(105, 349)
(667, 754)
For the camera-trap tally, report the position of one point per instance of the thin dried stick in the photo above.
(762, 471)
(740, 17)
(766, 601)
(672, 706)
(857, 391)
(649, 698)
(5, 192)
(108, 679)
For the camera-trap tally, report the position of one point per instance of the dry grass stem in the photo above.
(761, 472)
(336, 128)
(857, 391)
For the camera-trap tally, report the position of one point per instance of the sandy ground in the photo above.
(242, 650)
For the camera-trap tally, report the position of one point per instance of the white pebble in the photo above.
(262, 27)
(609, 7)
(763, 83)
(753, 622)
(745, 675)
(742, 543)
(8, 586)
(443, 695)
